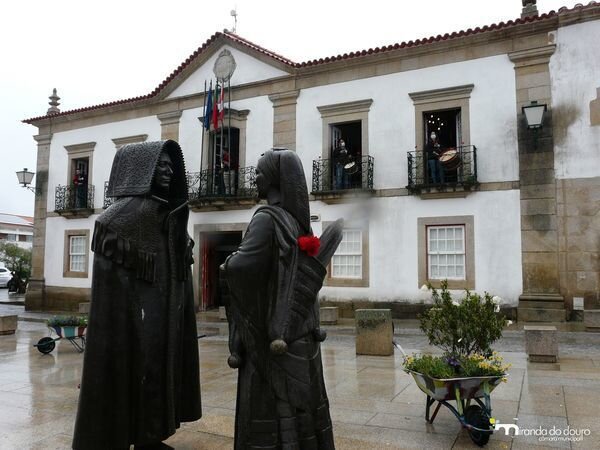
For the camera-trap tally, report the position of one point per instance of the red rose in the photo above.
(309, 244)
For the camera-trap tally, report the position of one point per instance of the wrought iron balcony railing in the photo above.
(330, 176)
(459, 166)
(221, 184)
(107, 200)
(70, 198)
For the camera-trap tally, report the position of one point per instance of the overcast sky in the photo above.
(94, 52)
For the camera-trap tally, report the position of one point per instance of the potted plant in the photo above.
(68, 326)
(468, 369)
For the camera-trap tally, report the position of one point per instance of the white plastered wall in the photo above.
(392, 116)
(103, 154)
(393, 246)
(575, 75)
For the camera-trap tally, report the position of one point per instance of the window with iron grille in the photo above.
(446, 252)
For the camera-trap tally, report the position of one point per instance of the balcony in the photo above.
(107, 200)
(332, 181)
(213, 190)
(460, 173)
(74, 201)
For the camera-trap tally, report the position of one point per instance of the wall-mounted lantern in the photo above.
(25, 177)
(534, 114)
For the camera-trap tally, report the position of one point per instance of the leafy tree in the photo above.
(16, 259)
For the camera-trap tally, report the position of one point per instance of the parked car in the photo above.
(5, 276)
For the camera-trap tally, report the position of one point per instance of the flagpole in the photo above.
(229, 135)
(203, 118)
(222, 165)
(215, 154)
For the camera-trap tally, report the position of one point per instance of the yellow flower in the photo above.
(504, 380)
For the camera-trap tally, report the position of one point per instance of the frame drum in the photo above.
(450, 159)
(351, 167)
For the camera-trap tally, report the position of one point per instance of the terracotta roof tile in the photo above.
(356, 54)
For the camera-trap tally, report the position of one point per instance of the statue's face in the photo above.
(262, 184)
(164, 172)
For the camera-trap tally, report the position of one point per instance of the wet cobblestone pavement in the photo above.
(374, 404)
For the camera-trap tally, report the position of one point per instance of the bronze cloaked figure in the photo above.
(141, 367)
(273, 282)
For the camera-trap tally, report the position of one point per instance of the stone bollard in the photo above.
(222, 313)
(374, 332)
(329, 315)
(8, 324)
(541, 343)
(591, 320)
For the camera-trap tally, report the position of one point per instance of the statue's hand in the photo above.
(278, 347)
(235, 361)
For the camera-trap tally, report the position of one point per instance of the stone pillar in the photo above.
(284, 119)
(169, 125)
(35, 298)
(539, 225)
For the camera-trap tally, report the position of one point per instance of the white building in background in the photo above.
(515, 215)
(17, 230)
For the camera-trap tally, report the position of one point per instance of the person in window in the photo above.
(140, 376)
(433, 151)
(227, 174)
(340, 159)
(80, 184)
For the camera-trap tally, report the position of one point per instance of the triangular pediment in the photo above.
(251, 66)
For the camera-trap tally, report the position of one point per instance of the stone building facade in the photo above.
(516, 214)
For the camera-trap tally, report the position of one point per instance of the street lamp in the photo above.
(534, 114)
(25, 177)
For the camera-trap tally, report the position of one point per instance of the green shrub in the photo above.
(441, 367)
(462, 328)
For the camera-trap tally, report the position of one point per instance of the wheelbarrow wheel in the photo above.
(46, 345)
(475, 416)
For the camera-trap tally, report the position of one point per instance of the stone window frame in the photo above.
(338, 113)
(120, 142)
(352, 282)
(239, 120)
(455, 97)
(468, 222)
(67, 272)
(78, 151)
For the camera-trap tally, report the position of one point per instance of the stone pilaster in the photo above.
(284, 119)
(35, 298)
(539, 224)
(169, 125)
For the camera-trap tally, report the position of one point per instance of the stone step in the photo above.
(542, 298)
(541, 315)
(541, 304)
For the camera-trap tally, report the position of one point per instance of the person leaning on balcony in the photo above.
(80, 184)
(340, 159)
(433, 150)
(226, 171)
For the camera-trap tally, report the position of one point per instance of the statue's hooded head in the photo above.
(135, 168)
(281, 170)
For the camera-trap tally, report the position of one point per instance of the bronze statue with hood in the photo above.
(273, 282)
(141, 367)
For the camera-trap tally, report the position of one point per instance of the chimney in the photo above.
(53, 103)
(529, 9)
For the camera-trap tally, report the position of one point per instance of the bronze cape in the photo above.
(281, 400)
(141, 369)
